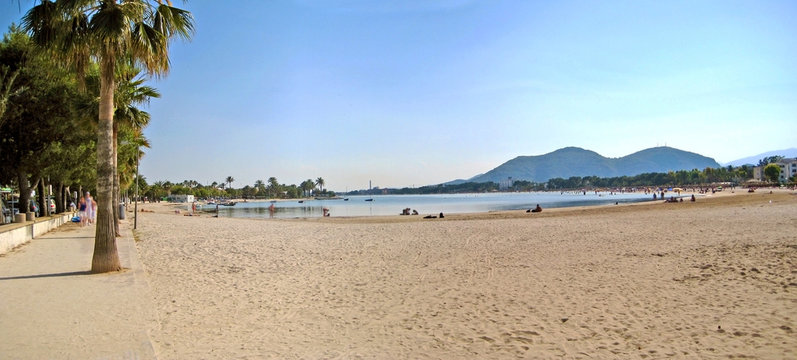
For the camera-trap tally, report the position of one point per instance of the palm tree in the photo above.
(108, 31)
(229, 181)
(130, 93)
(307, 185)
(130, 144)
(260, 186)
(273, 186)
(320, 183)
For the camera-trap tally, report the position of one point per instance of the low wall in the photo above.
(13, 235)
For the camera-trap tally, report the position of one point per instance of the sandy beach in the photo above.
(711, 279)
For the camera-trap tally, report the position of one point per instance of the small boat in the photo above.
(228, 203)
(301, 201)
(369, 191)
(345, 199)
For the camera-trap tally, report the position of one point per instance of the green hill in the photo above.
(573, 161)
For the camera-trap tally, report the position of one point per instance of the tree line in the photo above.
(680, 178)
(270, 189)
(72, 81)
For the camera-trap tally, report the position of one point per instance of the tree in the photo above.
(772, 172)
(142, 183)
(6, 86)
(229, 181)
(260, 186)
(307, 186)
(769, 160)
(273, 187)
(132, 140)
(129, 120)
(109, 31)
(320, 183)
(248, 191)
(32, 125)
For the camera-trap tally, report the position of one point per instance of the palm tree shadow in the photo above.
(55, 275)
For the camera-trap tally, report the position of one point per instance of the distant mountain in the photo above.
(753, 160)
(573, 161)
(457, 182)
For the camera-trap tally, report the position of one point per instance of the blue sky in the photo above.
(419, 92)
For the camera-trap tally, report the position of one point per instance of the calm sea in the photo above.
(424, 204)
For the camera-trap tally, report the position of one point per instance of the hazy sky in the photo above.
(418, 92)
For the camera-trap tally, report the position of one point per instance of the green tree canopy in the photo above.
(772, 172)
(769, 160)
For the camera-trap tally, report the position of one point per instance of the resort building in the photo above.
(788, 170)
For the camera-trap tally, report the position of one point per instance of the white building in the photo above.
(181, 198)
(788, 170)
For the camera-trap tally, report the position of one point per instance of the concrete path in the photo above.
(51, 307)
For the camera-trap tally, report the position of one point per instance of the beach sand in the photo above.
(711, 279)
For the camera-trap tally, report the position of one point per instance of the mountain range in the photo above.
(574, 161)
(753, 160)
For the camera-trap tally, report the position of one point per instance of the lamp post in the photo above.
(135, 207)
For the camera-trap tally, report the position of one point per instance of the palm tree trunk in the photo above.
(116, 190)
(106, 256)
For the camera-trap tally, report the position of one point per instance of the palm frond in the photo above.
(172, 21)
(149, 47)
(109, 30)
(43, 22)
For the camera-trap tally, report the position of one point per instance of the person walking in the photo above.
(83, 214)
(91, 208)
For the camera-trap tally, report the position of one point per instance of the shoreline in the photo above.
(500, 214)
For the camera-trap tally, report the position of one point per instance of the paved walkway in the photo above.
(51, 307)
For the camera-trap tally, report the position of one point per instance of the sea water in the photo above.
(382, 205)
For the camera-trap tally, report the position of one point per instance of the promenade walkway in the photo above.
(51, 307)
